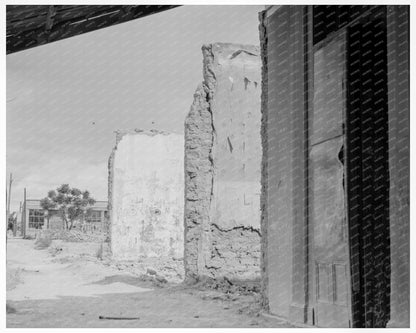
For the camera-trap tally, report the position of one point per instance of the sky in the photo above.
(65, 99)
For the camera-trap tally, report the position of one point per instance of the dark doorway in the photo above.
(368, 173)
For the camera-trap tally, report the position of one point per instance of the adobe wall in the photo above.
(146, 195)
(222, 166)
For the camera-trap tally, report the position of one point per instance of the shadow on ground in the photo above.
(159, 308)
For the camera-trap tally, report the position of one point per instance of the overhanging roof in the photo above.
(30, 26)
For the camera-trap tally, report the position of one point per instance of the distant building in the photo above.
(34, 217)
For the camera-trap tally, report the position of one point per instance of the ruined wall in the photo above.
(222, 166)
(146, 187)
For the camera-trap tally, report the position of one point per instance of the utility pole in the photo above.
(10, 189)
(8, 207)
(20, 213)
(24, 214)
(8, 204)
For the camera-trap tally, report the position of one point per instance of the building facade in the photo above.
(35, 218)
(335, 175)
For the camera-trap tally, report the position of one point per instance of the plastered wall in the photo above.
(146, 195)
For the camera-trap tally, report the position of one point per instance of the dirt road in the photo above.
(49, 290)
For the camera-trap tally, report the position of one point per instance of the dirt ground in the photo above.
(74, 284)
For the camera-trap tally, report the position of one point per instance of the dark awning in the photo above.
(30, 26)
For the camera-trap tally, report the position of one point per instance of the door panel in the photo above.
(327, 118)
(327, 185)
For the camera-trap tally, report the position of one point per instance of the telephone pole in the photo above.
(8, 203)
(24, 214)
(10, 190)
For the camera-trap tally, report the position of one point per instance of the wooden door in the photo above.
(327, 186)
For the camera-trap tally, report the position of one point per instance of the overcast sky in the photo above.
(66, 99)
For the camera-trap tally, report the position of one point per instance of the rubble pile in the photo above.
(72, 235)
(159, 270)
(227, 286)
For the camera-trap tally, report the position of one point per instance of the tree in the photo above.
(71, 203)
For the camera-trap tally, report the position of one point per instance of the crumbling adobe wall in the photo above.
(146, 195)
(222, 166)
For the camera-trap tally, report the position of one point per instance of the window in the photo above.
(36, 218)
(94, 217)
